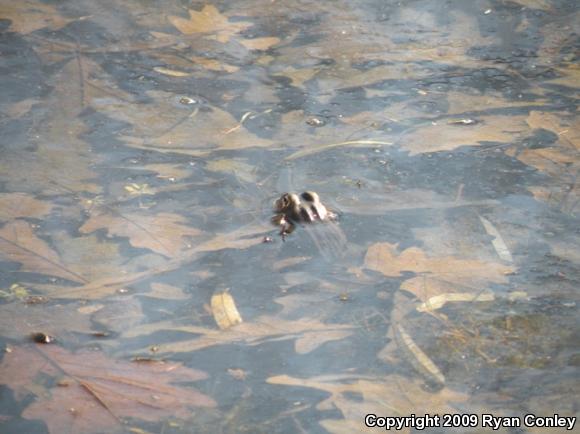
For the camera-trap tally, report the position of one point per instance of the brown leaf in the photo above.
(445, 137)
(355, 397)
(96, 392)
(14, 205)
(28, 16)
(18, 243)
(259, 43)
(435, 275)
(163, 233)
(568, 132)
(18, 320)
(210, 21)
(309, 333)
(240, 238)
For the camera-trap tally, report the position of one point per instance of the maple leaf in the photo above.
(209, 20)
(95, 393)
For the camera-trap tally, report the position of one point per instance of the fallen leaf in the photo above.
(224, 310)
(209, 21)
(415, 355)
(18, 320)
(171, 72)
(445, 137)
(163, 233)
(438, 301)
(243, 171)
(435, 275)
(262, 329)
(96, 392)
(568, 132)
(259, 43)
(355, 397)
(498, 242)
(15, 205)
(27, 16)
(18, 243)
(214, 65)
(166, 292)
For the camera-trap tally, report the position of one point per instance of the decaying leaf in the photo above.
(418, 359)
(27, 16)
(208, 21)
(498, 242)
(18, 243)
(312, 332)
(436, 275)
(163, 233)
(356, 396)
(224, 310)
(171, 72)
(166, 292)
(442, 136)
(97, 393)
(259, 43)
(15, 205)
(438, 301)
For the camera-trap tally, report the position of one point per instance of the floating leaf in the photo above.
(224, 310)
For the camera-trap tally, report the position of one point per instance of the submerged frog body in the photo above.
(292, 209)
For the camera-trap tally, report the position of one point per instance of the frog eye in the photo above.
(307, 196)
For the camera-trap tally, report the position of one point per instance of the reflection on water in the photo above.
(144, 144)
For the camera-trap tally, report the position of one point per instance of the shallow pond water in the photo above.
(144, 143)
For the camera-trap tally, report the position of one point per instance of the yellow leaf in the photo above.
(224, 310)
(171, 72)
(209, 21)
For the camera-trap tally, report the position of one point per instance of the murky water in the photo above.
(144, 142)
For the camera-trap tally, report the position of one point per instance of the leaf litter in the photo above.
(93, 393)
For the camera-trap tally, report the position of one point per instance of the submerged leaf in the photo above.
(15, 205)
(436, 275)
(163, 233)
(224, 310)
(20, 244)
(209, 21)
(95, 393)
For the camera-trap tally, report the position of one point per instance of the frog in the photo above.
(305, 208)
